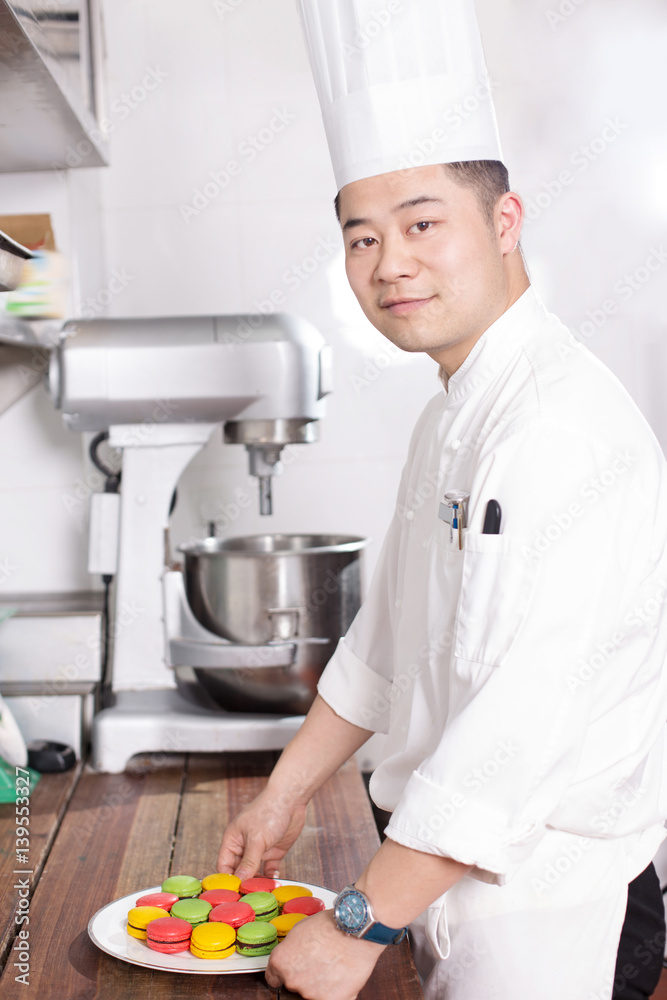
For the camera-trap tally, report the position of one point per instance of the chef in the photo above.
(513, 642)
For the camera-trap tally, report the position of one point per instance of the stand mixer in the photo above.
(160, 387)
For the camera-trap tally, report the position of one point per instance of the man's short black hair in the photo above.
(488, 178)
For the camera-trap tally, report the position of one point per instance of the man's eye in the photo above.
(421, 227)
(367, 241)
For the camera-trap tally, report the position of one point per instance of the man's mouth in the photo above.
(404, 306)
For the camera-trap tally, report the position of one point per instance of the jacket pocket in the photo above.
(496, 588)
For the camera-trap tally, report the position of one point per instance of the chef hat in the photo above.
(401, 83)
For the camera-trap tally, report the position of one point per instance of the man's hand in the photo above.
(319, 962)
(266, 829)
(262, 833)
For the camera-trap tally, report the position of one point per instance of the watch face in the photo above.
(351, 911)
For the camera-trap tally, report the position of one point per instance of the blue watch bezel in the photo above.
(369, 929)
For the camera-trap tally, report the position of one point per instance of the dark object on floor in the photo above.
(642, 944)
(48, 757)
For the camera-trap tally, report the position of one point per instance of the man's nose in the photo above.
(395, 261)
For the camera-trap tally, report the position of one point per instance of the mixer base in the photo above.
(162, 721)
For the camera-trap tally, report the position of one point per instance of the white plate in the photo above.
(107, 929)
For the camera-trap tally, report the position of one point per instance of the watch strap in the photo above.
(381, 934)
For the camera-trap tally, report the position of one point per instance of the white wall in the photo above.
(188, 85)
(43, 475)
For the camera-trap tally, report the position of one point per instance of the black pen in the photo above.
(492, 518)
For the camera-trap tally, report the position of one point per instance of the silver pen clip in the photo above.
(454, 512)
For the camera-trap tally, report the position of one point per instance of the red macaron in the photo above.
(234, 914)
(165, 900)
(258, 884)
(304, 904)
(168, 935)
(217, 896)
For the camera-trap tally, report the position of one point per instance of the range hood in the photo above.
(50, 100)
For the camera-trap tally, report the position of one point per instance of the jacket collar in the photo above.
(497, 345)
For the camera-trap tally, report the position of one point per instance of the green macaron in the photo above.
(256, 938)
(195, 911)
(182, 886)
(264, 904)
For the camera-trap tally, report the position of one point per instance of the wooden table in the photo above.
(96, 837)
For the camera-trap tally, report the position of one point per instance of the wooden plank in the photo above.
(47, 806)
(117, 833)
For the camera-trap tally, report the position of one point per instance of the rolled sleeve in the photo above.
(354, 691)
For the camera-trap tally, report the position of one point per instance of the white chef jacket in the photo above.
(520, 680)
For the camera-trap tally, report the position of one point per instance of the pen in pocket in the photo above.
(492, 518)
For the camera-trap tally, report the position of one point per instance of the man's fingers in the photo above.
(252, 859)
(227, 860)
(231, 850)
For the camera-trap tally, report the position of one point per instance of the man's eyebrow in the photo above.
(422, 199)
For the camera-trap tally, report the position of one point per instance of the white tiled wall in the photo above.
(189, 85)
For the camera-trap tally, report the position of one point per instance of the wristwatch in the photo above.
(353, 915)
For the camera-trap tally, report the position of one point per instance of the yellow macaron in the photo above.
(221, 880)
(286, 922)
(139, 917)
(215, 940)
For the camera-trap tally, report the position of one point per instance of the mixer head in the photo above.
(264, 441)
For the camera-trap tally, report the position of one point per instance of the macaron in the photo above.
(264, 904)
(139, 917)
(165, 900)
(221, 880)
(182, 886)
(258, 884)
(168, 935)
(213, 941)
(256, 939)
(217, 896)
(195, 911)
(285, 892)
(304, 904)
(286, 922)
(234, 914)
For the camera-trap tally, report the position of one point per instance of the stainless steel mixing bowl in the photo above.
(257, 589)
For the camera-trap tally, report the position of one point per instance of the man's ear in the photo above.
(509, 216)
